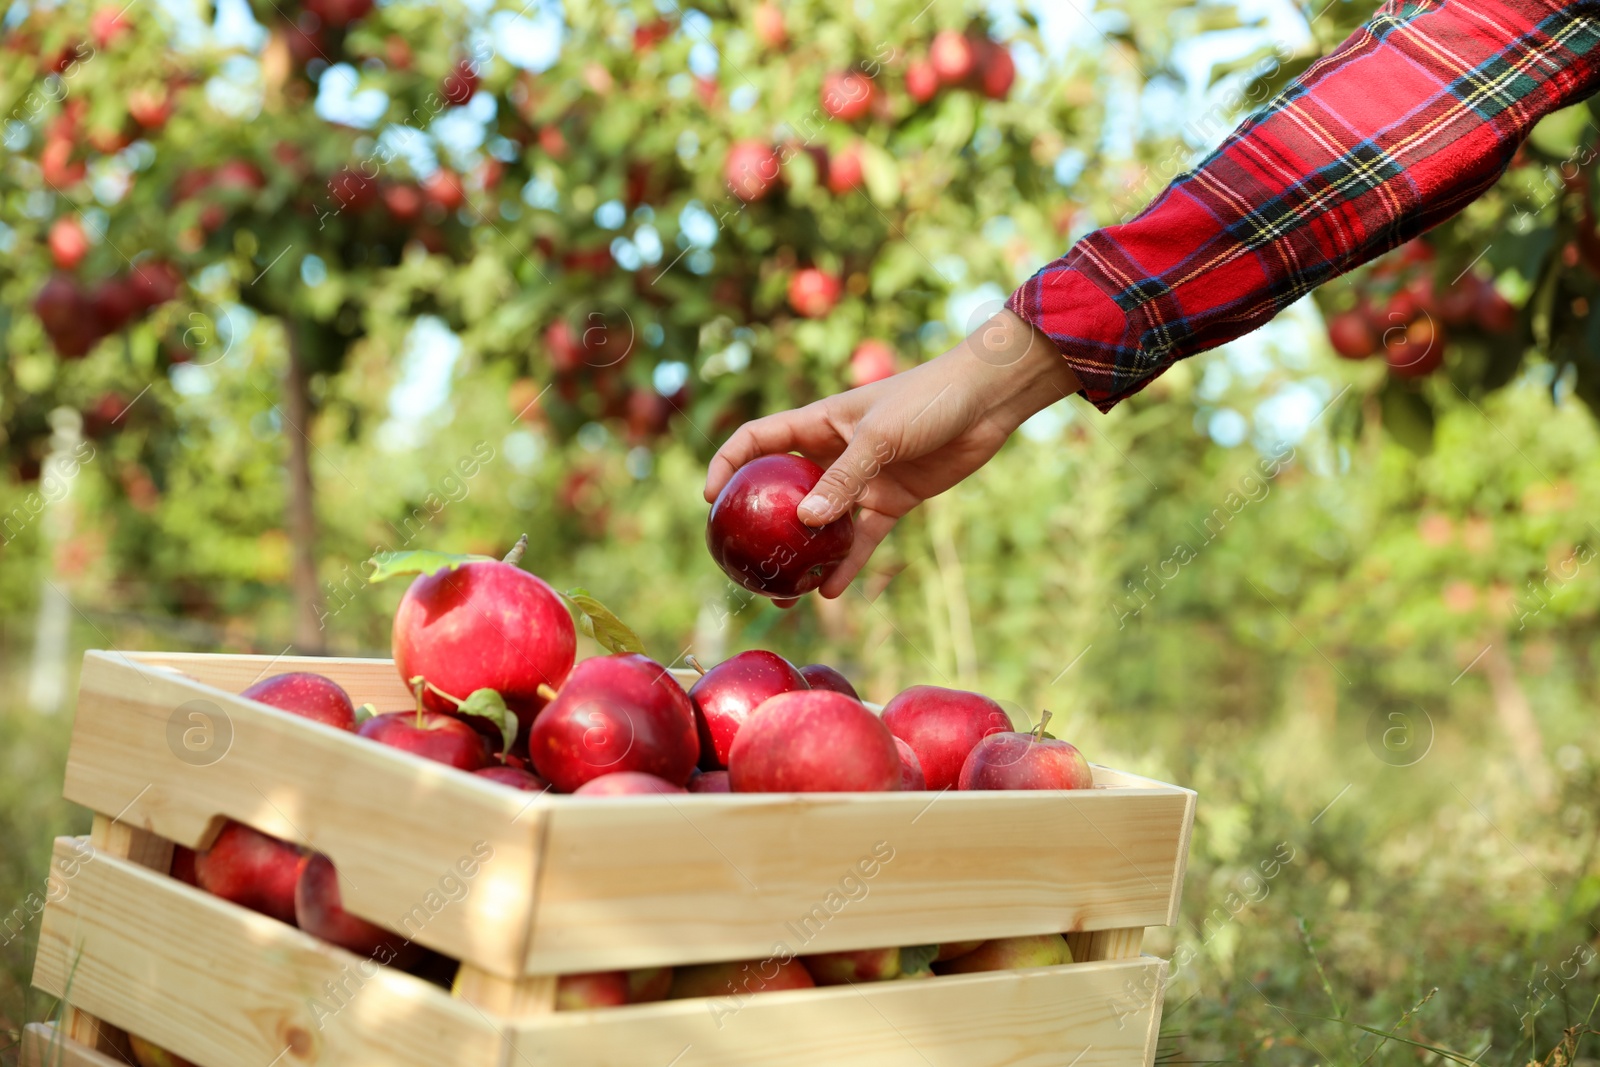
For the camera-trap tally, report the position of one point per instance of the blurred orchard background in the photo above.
(282, 285)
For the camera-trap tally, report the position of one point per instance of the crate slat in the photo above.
(44, 1045)
(629, 884)
(222, 985)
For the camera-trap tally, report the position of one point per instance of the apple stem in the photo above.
(515, 555)
(435, 689)
(417, 685)
(545, 692)
(691, 661)
(1038, 731)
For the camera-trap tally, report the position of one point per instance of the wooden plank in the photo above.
(112, 837)
(506, 998)
(44, 1045)
(366, 680)
(441, 857)
(1121, 944)
(1043, 1018)
(222, 985)
(626, 884)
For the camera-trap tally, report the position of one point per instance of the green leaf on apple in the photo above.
(488, 704)
(424, 561)
(600, 623)
(918, 959)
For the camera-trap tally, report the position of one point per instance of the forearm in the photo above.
(1408, 121)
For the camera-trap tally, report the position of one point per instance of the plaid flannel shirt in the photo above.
(1410, 119)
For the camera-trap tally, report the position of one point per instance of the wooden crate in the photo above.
(568, 884)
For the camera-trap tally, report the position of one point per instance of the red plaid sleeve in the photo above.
(1406, 122)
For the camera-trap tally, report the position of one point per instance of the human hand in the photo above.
(891, 445)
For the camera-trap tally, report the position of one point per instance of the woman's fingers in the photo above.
(871, 528)
(762, 437)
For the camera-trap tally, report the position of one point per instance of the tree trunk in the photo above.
(1517, 719)
(309, 637)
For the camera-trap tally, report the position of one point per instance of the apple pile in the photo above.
(1402, 312)
(488, 651)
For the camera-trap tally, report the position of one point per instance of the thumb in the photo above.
(844, 483)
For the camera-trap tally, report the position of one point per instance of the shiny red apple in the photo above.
(431, 735)
(250, 868)
(1013, 760)
(484, 625)
(756, 536)
(319, 911)
(726, 695)
(615, 713)
(814, 741)
(515, 777)
(822, 676)
(942, 726)
(306, 694)
(627, 784)
(911, 777)
(710, 782)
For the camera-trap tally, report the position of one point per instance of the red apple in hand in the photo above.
(306, 694)
(738, 977)
(710, 782)
(431, 735)
(848, 968)
(515, 777)
(822, 676)
(756, 536)
(728, 693)
(813, 741)
(250, 868)
(626, 784)
(1026, 761)
(319, 911)
(942, 726)
(615, 713)
(484, 625)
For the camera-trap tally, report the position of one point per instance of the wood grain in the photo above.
(222, 986)
(1049, 1017)
(438, 856)
(44, 1045)
(626, 884)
